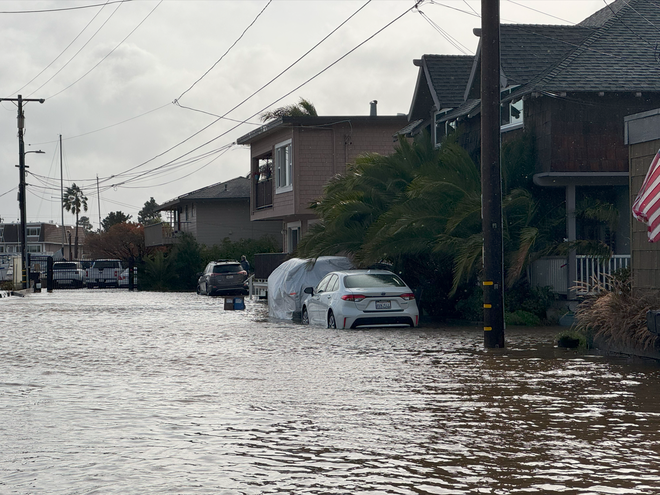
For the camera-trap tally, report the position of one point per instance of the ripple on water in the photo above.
(117, 392)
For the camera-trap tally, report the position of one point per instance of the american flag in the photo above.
(647, 204)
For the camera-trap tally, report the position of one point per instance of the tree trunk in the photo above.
(75, 251)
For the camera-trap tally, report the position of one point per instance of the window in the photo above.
(511, 113)
(33, 231)
(34, 248)
(2, 249)
(443, 128)
(293, 235)
(283, 167)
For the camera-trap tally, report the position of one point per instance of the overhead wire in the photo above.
(63, 51)
(248, 98)
(227, 51)
(328, 67)
(78, 52)
(110, 53)
(80, 7)
(453, 41)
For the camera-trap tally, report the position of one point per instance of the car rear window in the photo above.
(105, 264)
(368, 280)
(64, 266)
(227, 268)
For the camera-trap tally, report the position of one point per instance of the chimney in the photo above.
(373, 111)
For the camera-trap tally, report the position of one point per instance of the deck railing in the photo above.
(592, 273)
(264, 194)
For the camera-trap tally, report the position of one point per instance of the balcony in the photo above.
(160, 234)
(590, 273)
(263, 194)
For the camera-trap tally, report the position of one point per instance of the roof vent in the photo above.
(225, 187)
(374, 110)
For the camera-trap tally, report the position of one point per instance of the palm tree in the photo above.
(303, 108)
(75, 201)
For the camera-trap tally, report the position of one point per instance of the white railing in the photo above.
(592, 273)
(552, 271)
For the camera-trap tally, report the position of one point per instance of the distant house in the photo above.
(292, 158)
(569, 88)
(211, 214)
(43, 239)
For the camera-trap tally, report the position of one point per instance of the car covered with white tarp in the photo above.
(288, 281)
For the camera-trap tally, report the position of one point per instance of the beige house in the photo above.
(211, 214)
(292, 158)
(642, 134)
(43, 239)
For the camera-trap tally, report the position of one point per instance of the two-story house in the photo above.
(211, 214)
(569, 87)
(43, 239)
(292, 158)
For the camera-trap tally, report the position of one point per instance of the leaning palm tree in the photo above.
(303, 108)
(75, 201)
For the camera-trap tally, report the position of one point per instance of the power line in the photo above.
(63, 51)
(110, 53)
(246, 99)
(63, 9)
(228, 50)
(286, 95)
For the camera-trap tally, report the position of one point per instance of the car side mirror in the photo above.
(309, 290)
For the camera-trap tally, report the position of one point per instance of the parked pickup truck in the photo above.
(68, 274)
(104, 273)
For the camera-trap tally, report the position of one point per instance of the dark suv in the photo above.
(223, 277)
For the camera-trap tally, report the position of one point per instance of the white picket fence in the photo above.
(553, 271)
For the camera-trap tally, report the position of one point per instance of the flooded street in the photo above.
(112, 392)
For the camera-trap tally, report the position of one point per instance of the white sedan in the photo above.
(360, 298)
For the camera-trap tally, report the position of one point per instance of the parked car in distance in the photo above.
(68, 275)
(103, 273)
(360, 298)
(123, 278)
(223, 277)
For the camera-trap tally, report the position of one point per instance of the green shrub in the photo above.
(524, 318)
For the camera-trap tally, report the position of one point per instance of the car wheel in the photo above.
(331, 320)
(199, 291)
(305, 317)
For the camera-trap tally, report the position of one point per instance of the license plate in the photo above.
(229, 277)
(383, 305)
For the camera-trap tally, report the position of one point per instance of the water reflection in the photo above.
(111, 392)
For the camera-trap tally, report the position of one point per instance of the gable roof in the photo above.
(440, 83)
(238, 188)
(620, 56)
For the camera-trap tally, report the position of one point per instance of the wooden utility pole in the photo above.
(21, 184)
(491, 176)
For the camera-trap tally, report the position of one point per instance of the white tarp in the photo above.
(287, 282)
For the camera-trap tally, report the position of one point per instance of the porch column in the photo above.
(571, 236)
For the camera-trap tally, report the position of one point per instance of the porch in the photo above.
(159, 234)
(553, 271)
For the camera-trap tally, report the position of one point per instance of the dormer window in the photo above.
(443, 127)
(33, 231)
(511, 113)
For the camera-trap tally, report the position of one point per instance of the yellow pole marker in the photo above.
(487, 329)
(488, 306)
(488, 282)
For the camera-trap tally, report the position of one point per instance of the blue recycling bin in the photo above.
(239, 303)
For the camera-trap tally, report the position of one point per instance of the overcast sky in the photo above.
(110, 72)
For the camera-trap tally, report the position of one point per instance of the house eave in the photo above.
(563, 179)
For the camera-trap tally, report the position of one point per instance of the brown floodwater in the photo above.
(112, 392)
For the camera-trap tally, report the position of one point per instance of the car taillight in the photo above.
(352, 297)
(408, 296)
(243, 272)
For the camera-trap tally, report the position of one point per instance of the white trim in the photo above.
(288, 186)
